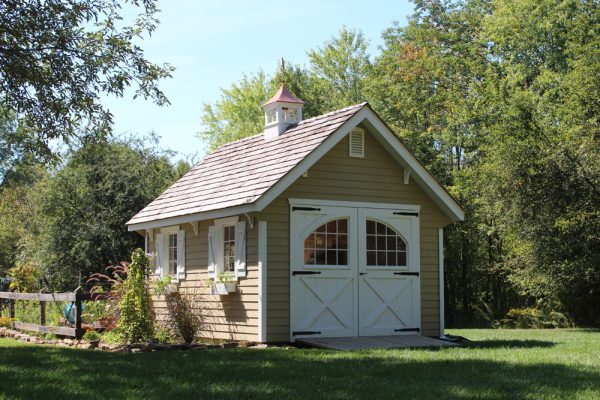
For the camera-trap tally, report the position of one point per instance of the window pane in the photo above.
(391, 243)
(380, 242)
(320, 257)
(309, 256)
(391, 258)
(342, 257)
(342, 226)
(320, 241)
(331, 241)
(400, 243)
(331, 257)
(371, 243)
(381, 258)
(342, 242)
(331, 227)
(370, 227)
(371, 258)
(380, 228)
(402, 258)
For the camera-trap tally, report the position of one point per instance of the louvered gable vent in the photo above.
(357, 143)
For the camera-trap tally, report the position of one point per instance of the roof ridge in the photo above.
(235, 142)
(332, 112)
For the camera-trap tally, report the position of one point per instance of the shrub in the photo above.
(535, 318)
(136, 319)
(91, 335)
(6, 322)
(112, 337)
(24, 277)
(185, 318)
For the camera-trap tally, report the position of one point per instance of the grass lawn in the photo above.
(498, 364)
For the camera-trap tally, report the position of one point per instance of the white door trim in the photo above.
(355, 204)
(441, 277)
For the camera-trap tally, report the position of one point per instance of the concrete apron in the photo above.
(375, 342)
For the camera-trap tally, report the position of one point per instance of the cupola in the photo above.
(281, 111)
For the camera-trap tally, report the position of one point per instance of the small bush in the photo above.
(535, 318)
(136, 319)
(91, 335)
(112, 337)
(162, 334)
(185, 319)
(6, 322)
(50, 336)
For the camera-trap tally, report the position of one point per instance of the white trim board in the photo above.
(382, 134)
(441, 279)
(262, 281)
(358, 204)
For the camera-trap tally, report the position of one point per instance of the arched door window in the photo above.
(385, 246)
(328, 244)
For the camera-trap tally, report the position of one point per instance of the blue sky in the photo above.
(212, 43)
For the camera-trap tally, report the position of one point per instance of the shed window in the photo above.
(172, 254)
(328, 244)
(385, 246)
(229, 248)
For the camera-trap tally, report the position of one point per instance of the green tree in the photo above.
(340, 67)
(545, 154)
(59, 57)
(81, 216)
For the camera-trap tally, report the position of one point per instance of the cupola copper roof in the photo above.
(283, 95)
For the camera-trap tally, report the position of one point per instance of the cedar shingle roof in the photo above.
(239, 173)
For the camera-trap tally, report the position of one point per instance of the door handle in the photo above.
(363, 273)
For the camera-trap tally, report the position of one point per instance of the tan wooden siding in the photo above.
(375, 178)
(231, 317)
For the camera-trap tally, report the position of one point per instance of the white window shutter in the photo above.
(212, 247)
(181, 254)
(240, 249)
(158, 249)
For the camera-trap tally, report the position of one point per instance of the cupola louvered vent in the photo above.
(357, 143)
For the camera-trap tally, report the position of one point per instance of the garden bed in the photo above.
(118, 347)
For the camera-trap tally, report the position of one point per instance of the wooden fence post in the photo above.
(78, 330)
(42, 313)
(11, 308)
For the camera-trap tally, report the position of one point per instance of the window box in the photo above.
(222, 288)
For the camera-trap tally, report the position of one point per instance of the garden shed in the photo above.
(327, 227)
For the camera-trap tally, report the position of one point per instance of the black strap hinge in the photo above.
(407, 273)
(408, 330)
(305, 209)
(410, 214)
(294, 273)
(306, 333)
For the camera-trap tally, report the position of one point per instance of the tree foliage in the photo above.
(59, 57)
(71, 223)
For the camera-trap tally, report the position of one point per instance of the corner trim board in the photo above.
(262, 281)
(441, 279)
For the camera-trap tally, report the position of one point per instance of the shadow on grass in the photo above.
(510, 344)
(28, 372)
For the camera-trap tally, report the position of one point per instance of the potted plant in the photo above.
(224, 284)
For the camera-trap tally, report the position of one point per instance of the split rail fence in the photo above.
(43, 298)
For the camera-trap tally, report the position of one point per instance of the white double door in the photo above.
(354, 271)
